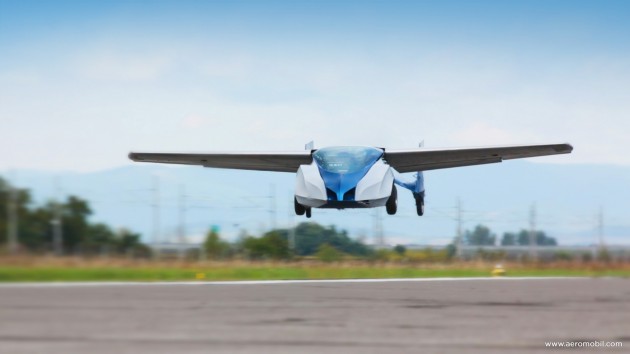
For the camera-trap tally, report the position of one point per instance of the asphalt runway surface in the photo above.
(436, 316)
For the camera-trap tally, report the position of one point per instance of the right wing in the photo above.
(259, 161)
(432, 159)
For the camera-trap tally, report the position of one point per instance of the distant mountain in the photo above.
(567, 198)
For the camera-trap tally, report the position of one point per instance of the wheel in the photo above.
(420, 208)
(308, 212)
(392, 203)
(299, 208)
(419, 197)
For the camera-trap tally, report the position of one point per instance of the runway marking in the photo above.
(53, 284)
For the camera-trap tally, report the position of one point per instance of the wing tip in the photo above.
(565, 148)
(134, 156)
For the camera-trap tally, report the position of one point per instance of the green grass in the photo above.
(21, 273)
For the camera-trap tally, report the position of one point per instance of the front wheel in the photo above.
(308, 212)
(392, 203)
(299, 208)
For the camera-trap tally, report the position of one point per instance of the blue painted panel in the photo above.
(342, 168)
(414, 184)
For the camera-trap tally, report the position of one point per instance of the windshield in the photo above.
(347, 159)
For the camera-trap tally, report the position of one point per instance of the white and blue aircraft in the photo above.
(354, 176)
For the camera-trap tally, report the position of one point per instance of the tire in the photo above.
(308, 212)
(419, 197)
(299, 208)
(420, 208)
(392, 203)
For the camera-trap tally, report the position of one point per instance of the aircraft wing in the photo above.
(432, 159)
(259, 161)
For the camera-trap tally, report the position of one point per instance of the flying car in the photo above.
(343, 177)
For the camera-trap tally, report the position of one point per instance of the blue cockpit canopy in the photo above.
(346, 159)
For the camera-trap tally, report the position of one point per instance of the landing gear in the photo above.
(420, 208)
(299, 208)
(392, 203)
(419, 197)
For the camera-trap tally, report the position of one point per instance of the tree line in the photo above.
(81, 236)
(329, 244)
(36, 223)
(482, 236)
(309, 239)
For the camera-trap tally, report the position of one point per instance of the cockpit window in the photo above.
(346, 159)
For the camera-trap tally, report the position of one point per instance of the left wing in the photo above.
(259, 161)
(432, 159)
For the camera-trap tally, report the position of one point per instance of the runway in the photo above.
(404, 316)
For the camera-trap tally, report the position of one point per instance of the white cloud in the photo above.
(124, 67)
(193, 121)
(175, 96)
(483, 133)
(20, 77)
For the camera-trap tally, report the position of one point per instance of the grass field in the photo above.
(121, 270)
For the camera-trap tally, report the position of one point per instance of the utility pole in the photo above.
(182, 220)
(600, 228)
(156, 215)
(601, 254)
(57, 222)
(182, 214)
(533, 242)
(379, 238)
(292, 240)
(12, 218)
(459, 238)
(272, 206)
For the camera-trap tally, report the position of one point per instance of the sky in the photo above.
(83, 83)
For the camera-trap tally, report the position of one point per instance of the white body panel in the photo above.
(376, 185)
(310, 189)
(373, 189)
